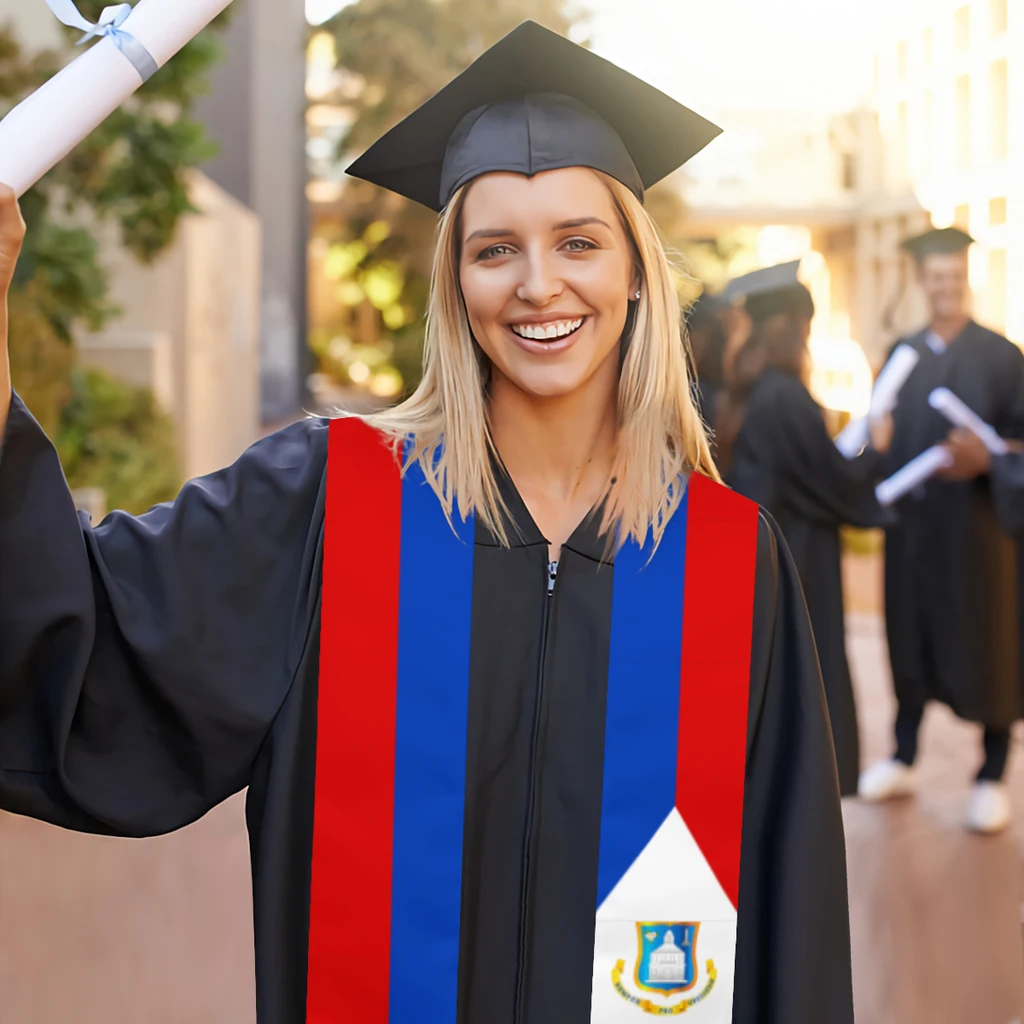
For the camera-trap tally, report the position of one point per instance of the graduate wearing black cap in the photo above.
(783, 457)
(527, 703)
(950, 586)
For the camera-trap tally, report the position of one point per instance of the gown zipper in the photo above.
(552, 578)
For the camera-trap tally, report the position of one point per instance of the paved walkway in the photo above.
(935, 911)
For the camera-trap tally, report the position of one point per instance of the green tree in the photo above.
(130, 171)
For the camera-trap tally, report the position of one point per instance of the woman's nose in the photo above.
(540, 284)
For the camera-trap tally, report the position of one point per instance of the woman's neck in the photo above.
(559, 451)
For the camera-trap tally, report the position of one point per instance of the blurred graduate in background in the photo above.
(950, 577)
(707, 326)
(781, 455)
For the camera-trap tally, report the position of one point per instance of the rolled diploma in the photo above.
(56, 117)
(913, 474)
(943, 400)
(853, 438)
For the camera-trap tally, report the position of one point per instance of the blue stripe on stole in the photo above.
(642, 724)
(435, 601)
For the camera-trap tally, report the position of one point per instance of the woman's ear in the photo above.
(634, 283)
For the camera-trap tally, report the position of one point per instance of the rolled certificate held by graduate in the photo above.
(912, 475)
(854, 436)
(132, 44)
(960, 415)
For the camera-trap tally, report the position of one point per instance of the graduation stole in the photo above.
(395, 640)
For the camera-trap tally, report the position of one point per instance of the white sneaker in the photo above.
(989, 808)
(885, 780)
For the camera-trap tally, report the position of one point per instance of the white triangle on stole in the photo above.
(669, 882)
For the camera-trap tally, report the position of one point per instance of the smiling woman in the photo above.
(527, 703)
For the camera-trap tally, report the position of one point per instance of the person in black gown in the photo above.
(707, 331)
(442, 646)
(950, 581)
(784, 458)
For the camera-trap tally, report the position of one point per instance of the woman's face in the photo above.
(547, 272)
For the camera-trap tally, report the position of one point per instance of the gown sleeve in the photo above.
(1007, 474)
(793, 943)
(143, 660)
(795, 464)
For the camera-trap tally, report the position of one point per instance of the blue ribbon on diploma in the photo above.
(109, 25)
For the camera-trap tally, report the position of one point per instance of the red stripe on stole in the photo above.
(350, 887)
(718, 608)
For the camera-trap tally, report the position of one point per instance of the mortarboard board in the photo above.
(937, 241)
(760, 282)
(535, 102)
(771, 290)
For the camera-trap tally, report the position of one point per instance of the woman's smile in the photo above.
(550, 335)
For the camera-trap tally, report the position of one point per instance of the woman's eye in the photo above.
(579, 245)
(493, 251)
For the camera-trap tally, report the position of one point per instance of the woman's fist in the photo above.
(12, 233)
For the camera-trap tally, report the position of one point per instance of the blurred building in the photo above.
(936, 142)
(189, 327)
(255, 111)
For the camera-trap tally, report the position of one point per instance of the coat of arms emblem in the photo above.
(665, 957)
(666, 965)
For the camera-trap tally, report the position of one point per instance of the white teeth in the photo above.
(542, 332)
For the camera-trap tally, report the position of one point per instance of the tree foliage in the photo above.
(130, 171)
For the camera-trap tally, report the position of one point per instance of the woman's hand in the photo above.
(880, 430)
(12, 232)
(970, 456)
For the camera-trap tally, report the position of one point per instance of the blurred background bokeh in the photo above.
(200, 272)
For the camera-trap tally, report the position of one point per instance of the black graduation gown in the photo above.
(152, 666)
(950, 581)
(785, 460)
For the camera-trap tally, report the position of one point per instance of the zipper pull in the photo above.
(552, 576)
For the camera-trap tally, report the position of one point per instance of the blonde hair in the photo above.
(661, 437)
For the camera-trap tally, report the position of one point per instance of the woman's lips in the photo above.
(547, 346)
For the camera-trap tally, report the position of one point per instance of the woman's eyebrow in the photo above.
(491, 233)
(581, 222)
(578, 222)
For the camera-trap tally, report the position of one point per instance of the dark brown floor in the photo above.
(100, 931)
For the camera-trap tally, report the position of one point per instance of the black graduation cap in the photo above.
(937, 241)
(760, 282)
(535, 102)
(771, 290)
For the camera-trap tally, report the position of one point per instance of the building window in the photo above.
(962, 29)
(962, 216)
(927, 140)
(997, 107)
(997, 16)
(963, 122)
(901, 119)
(997, 210)
(928, 47)
(849, 171)
(997, 288)
(901, 60)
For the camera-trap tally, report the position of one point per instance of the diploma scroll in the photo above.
(912, 475)
(852, 439)
(943, 400)
(133, 42)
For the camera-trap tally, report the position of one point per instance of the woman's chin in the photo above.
(549, 383)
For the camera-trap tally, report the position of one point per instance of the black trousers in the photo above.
(996, 742)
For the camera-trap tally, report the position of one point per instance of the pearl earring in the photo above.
(637, 295)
